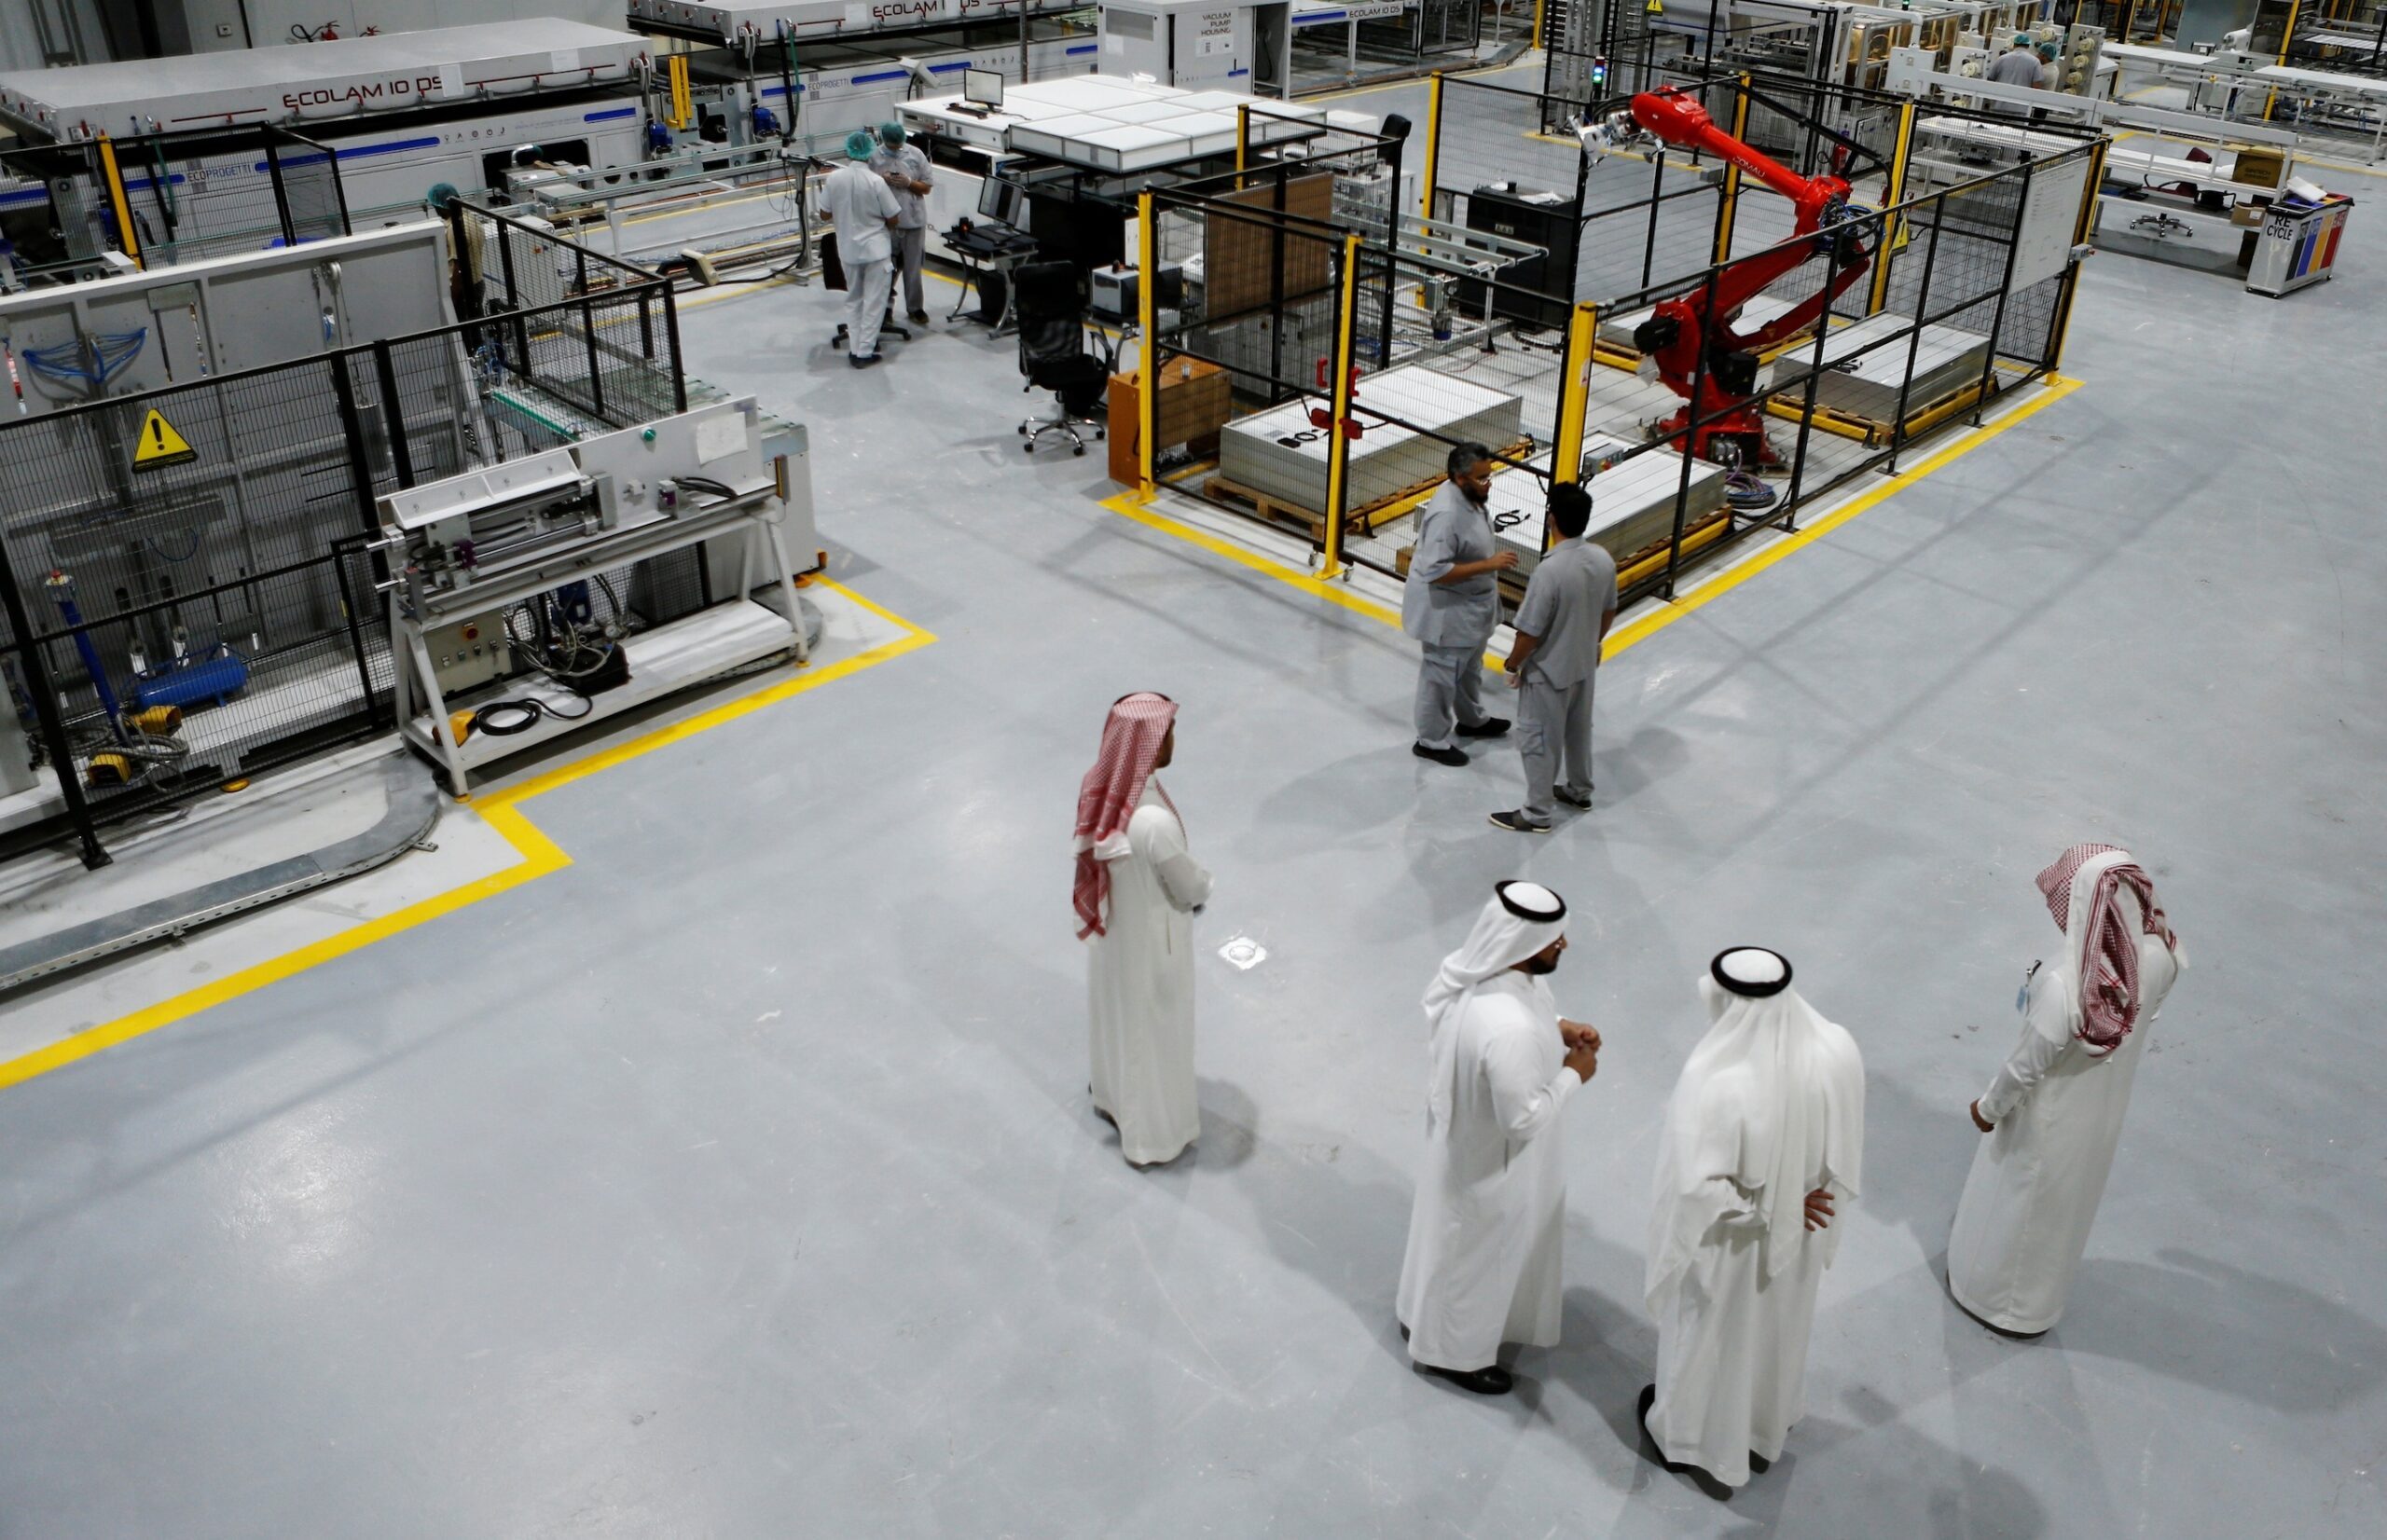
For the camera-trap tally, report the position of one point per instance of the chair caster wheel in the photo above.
(1023, 429)
(1079, 451)
(1028, 448)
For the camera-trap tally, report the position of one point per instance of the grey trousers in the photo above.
(1450, 694)
(1552, 720)
(910, 247)
(866, 285)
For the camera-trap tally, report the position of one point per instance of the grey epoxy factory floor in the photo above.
(739, 1180)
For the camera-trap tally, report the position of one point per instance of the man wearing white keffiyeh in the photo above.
(1488, 1226)
(1763, 1139)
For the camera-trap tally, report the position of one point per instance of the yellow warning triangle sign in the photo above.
(160, 446)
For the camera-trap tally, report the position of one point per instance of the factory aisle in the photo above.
(737, 1178)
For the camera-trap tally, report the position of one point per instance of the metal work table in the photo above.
(981, 250)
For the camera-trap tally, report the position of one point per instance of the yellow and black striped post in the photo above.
(1148, 348)
(118, 204)
(1892, 225)
(2079, 237)
(1732, 172)
(1433, 143)
(1338, 444)
(1574, 393)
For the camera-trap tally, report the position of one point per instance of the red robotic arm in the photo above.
(1683, 330)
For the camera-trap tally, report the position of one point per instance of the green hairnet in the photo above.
(2049, 49)
(442, 194)
(891, 134)
(2022, 39)
(860, 145)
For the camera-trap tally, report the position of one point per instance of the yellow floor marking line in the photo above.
(1127, 505)
(502, 811)
(2058, 387)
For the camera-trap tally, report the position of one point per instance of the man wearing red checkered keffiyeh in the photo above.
(1135, 891)
(2054, 1113)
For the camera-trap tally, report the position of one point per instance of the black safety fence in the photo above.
(1332, 365)
(1709, 339)
(84, 209)
(173, 621)
(1753, 387)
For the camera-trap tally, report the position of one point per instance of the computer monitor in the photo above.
(1003, 202)
(983, 86)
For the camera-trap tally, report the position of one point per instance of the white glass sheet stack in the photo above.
(1946, 360)
(1277, 454)
(1633, 501)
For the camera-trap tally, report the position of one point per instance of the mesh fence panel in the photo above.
(233, 583)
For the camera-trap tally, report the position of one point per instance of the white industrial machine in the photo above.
(1197, 42)
(513, 586)
(402, 112)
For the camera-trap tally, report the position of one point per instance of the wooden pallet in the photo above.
(1365, 517)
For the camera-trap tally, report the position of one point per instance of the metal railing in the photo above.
(234, 586)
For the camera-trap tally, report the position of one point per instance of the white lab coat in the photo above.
(2031, 1197)
(1139, 980)
(1488, 1229)
(1770, 1107)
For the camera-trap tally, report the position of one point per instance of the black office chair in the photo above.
(1049, 299)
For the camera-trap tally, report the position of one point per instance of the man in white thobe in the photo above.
(2054, 1113)
(1764, 1136)
(1488, 1229)
(1136, 891)
(861, 208)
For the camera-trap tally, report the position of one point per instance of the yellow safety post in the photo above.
(2129, 17)
(1732, 172)
(1537, 25)
(2286, 38)
(1574, 393)
(1148, 350)
(1879, 293)
(1338, 446)
(2079, 237)
(1242, 142)
(118, 202)
(675, 70)
(1574, 403)
(1434, 139)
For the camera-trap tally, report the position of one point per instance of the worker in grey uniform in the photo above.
(905, 166)
(1570, 604)
(1451, 603)
(2019, 65)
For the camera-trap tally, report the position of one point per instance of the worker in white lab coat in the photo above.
(863, 210)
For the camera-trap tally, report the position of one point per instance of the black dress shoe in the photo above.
(1573, 801)
(1649, 1399)
(1405, 1334)
(1759, 1463)
(1516, 823)
(919, 318)
(1495, 1380)
(1490, 728)
(1451, 757)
